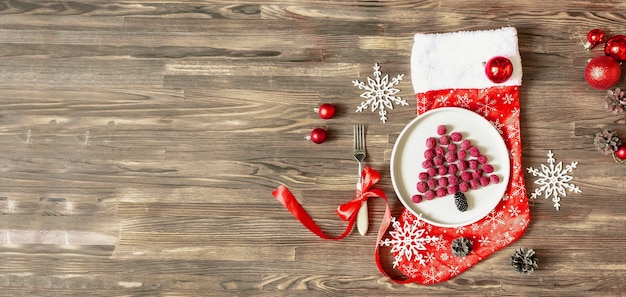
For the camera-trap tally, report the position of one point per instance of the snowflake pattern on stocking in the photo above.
(408, 241)
(380, 93)
(554, 180)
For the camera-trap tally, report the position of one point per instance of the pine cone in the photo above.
(607, 141)
(461, 246)
(524, 261)
(615, 101)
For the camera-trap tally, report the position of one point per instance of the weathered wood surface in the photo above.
(141, 141)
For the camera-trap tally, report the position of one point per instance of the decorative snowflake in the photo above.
(462, 101)
(432, 276)
(554, 180)
(379, 93)
(408, 241)
(486, 107)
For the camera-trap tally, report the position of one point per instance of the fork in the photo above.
(362, 220)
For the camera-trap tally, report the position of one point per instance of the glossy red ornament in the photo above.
(620, 153)
(616, 47)
(499, 69)
(326, 111)
(602, 72)
(594, 37)
(318, 135)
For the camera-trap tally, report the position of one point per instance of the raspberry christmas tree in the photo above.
(452, 166)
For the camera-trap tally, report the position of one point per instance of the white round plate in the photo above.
(408, 154)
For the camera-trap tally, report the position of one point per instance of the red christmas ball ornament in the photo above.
(499, 69)
(620, 153)
(594, 37)
(615, 47)
(318, 135)
(602, 72)
(326, 111)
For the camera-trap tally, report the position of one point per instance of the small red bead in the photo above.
(326, 111)
(318, 135)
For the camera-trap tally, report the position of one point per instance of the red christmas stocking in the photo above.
(448, 70)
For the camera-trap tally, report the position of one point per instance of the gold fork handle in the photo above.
(362, 217)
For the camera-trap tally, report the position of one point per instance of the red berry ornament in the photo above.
(499, 69)
(326, 111)
(602, 72)
(616, 47)
(620, 153)
(594, 37)
(318, 135)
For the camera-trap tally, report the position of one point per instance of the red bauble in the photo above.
(499, 69)
(620, 153)
(594, 37)
(616, 47)
(326, 111)
(318, 135)
(602, 72)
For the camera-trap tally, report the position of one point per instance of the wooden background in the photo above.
(141, 140)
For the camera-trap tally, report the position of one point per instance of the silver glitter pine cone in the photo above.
(524, 261)
(607, 141)
(461, 246)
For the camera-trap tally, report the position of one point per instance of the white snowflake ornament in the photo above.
(553, 180)
(408, 241)
(380, 93)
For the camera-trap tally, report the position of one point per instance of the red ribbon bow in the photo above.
(347, 212)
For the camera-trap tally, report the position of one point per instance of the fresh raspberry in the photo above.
(494, 179)
(450, 157)
(477, 174)
(432, 183)
(442, 170)
(439, 151)
(452, 169)
(441, 192)
(427, 164)
(473, 164)
(461, 155)
(429, 195)
(488, 168)
(453, 180)
(431, 142)
(442, 181)
(474, 151)
(444, 140)
(465, 176)
(416, 198)
(423, 176)
(482, 159)
(429, 154)
(456, 136)
(484, 181)
(462, 165)
(431, 171)
(474, 184)
(441, 129)
(466, 144)
(438, 161)
(421, 186)
(452, 147)
(452, 189)
(463, 186)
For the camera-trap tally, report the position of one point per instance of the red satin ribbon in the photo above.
(347, 212)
